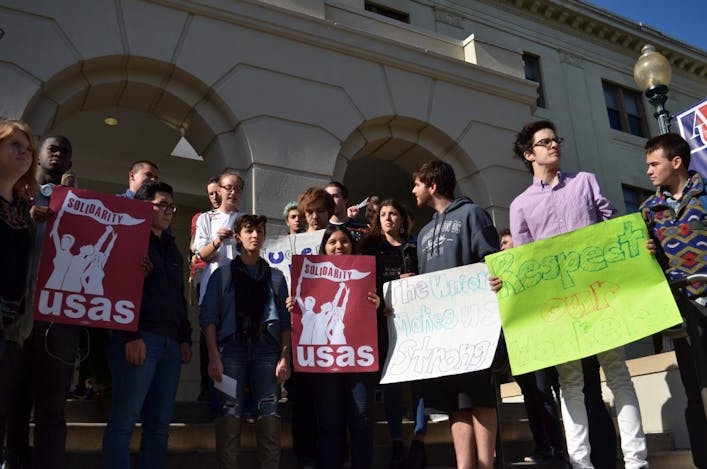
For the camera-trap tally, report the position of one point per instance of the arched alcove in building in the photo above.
(121, 109)
(381, 155)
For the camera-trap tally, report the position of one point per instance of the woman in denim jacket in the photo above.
(247, 330)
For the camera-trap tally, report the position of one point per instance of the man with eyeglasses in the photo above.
(146, 363)
(558, 202)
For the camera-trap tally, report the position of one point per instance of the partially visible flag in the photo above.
(692, 125)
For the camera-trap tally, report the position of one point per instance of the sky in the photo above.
(684, 20)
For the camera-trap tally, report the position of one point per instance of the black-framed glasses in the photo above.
(547, 142)
(165, 207)
(229, 189)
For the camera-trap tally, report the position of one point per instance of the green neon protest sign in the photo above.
(581, 293)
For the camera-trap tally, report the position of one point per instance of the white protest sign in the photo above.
(278, 252)
(444, 323)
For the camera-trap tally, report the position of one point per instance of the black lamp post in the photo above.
(652, 73)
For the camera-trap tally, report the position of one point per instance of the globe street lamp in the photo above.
(652, 73)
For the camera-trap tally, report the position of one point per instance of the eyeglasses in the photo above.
(547, 142)
(165, 207)
(229, 189)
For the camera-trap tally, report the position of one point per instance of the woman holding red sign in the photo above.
(343, 399)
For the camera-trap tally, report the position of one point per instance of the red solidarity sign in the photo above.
(91, 271)
(333, 324)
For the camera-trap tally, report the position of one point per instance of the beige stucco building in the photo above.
(295, 93)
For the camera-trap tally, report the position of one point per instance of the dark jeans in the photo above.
(252, 364)
(541, 407)
(47, 367)
(602, 434)
(345, 400)
(690, 375)
(301, 397)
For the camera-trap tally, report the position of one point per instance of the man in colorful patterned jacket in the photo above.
(677, 221)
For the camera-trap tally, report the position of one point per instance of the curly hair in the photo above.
(524, 140)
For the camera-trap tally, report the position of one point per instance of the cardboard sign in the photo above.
(692, 125)
(333, 324)
(444, 323)
(581, 293)
(91, 271)
(278, 252)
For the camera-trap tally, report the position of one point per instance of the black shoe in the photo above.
(397, 458)
(417, 457)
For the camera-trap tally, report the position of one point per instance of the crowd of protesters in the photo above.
(245, 306)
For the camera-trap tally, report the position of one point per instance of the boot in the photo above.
(267, 436)
(228, 441)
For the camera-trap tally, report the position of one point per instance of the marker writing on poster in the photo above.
(518, 277)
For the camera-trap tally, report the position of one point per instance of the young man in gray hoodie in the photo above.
(459, 233)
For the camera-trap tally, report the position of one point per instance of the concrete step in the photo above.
(191, 439)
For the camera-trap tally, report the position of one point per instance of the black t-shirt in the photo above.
(15, 248)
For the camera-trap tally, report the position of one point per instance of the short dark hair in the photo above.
(342, 188)
(504, 232)
(148, 190)
(331, 229)
(249, 220)
(314, 195)
(524, 139)
(673, 145)
(138, 164)
(63, 139)
(212, 180)
(439, 173)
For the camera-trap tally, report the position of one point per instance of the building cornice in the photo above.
(608, 28)
(303, 28)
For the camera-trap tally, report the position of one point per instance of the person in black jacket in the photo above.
(145, 364)
(396, 257)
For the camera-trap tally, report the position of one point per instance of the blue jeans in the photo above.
(252, 363)
(345, 398)
(145, 392)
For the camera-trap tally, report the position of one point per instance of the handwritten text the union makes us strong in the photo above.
(520, 276)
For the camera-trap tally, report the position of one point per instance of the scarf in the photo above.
(251, 295)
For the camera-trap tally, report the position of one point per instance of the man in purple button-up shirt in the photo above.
(556, 203)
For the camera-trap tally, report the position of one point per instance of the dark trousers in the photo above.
(541, 407)
(301, 397)
(690, 375)
(10, 365)
(345, 401)
(47, 367)
(602, 434)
